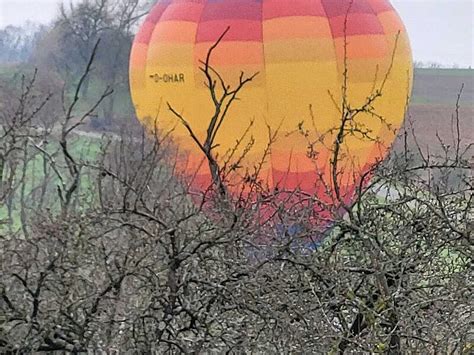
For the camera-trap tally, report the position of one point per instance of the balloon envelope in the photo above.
(307, 53)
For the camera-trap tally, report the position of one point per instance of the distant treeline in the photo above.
(17, 43)
(62, 50)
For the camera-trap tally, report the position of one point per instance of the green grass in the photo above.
(8, 70)
(84, 150)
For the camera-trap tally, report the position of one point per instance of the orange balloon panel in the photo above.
(300, 50)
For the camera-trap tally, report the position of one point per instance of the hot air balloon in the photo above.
(312, 59)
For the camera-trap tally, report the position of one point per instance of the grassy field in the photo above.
(84, 149)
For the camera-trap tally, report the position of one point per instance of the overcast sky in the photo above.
(440, 30)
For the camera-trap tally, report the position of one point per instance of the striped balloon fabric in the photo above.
(311, 56)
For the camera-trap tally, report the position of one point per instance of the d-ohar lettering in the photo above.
(175, 78)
